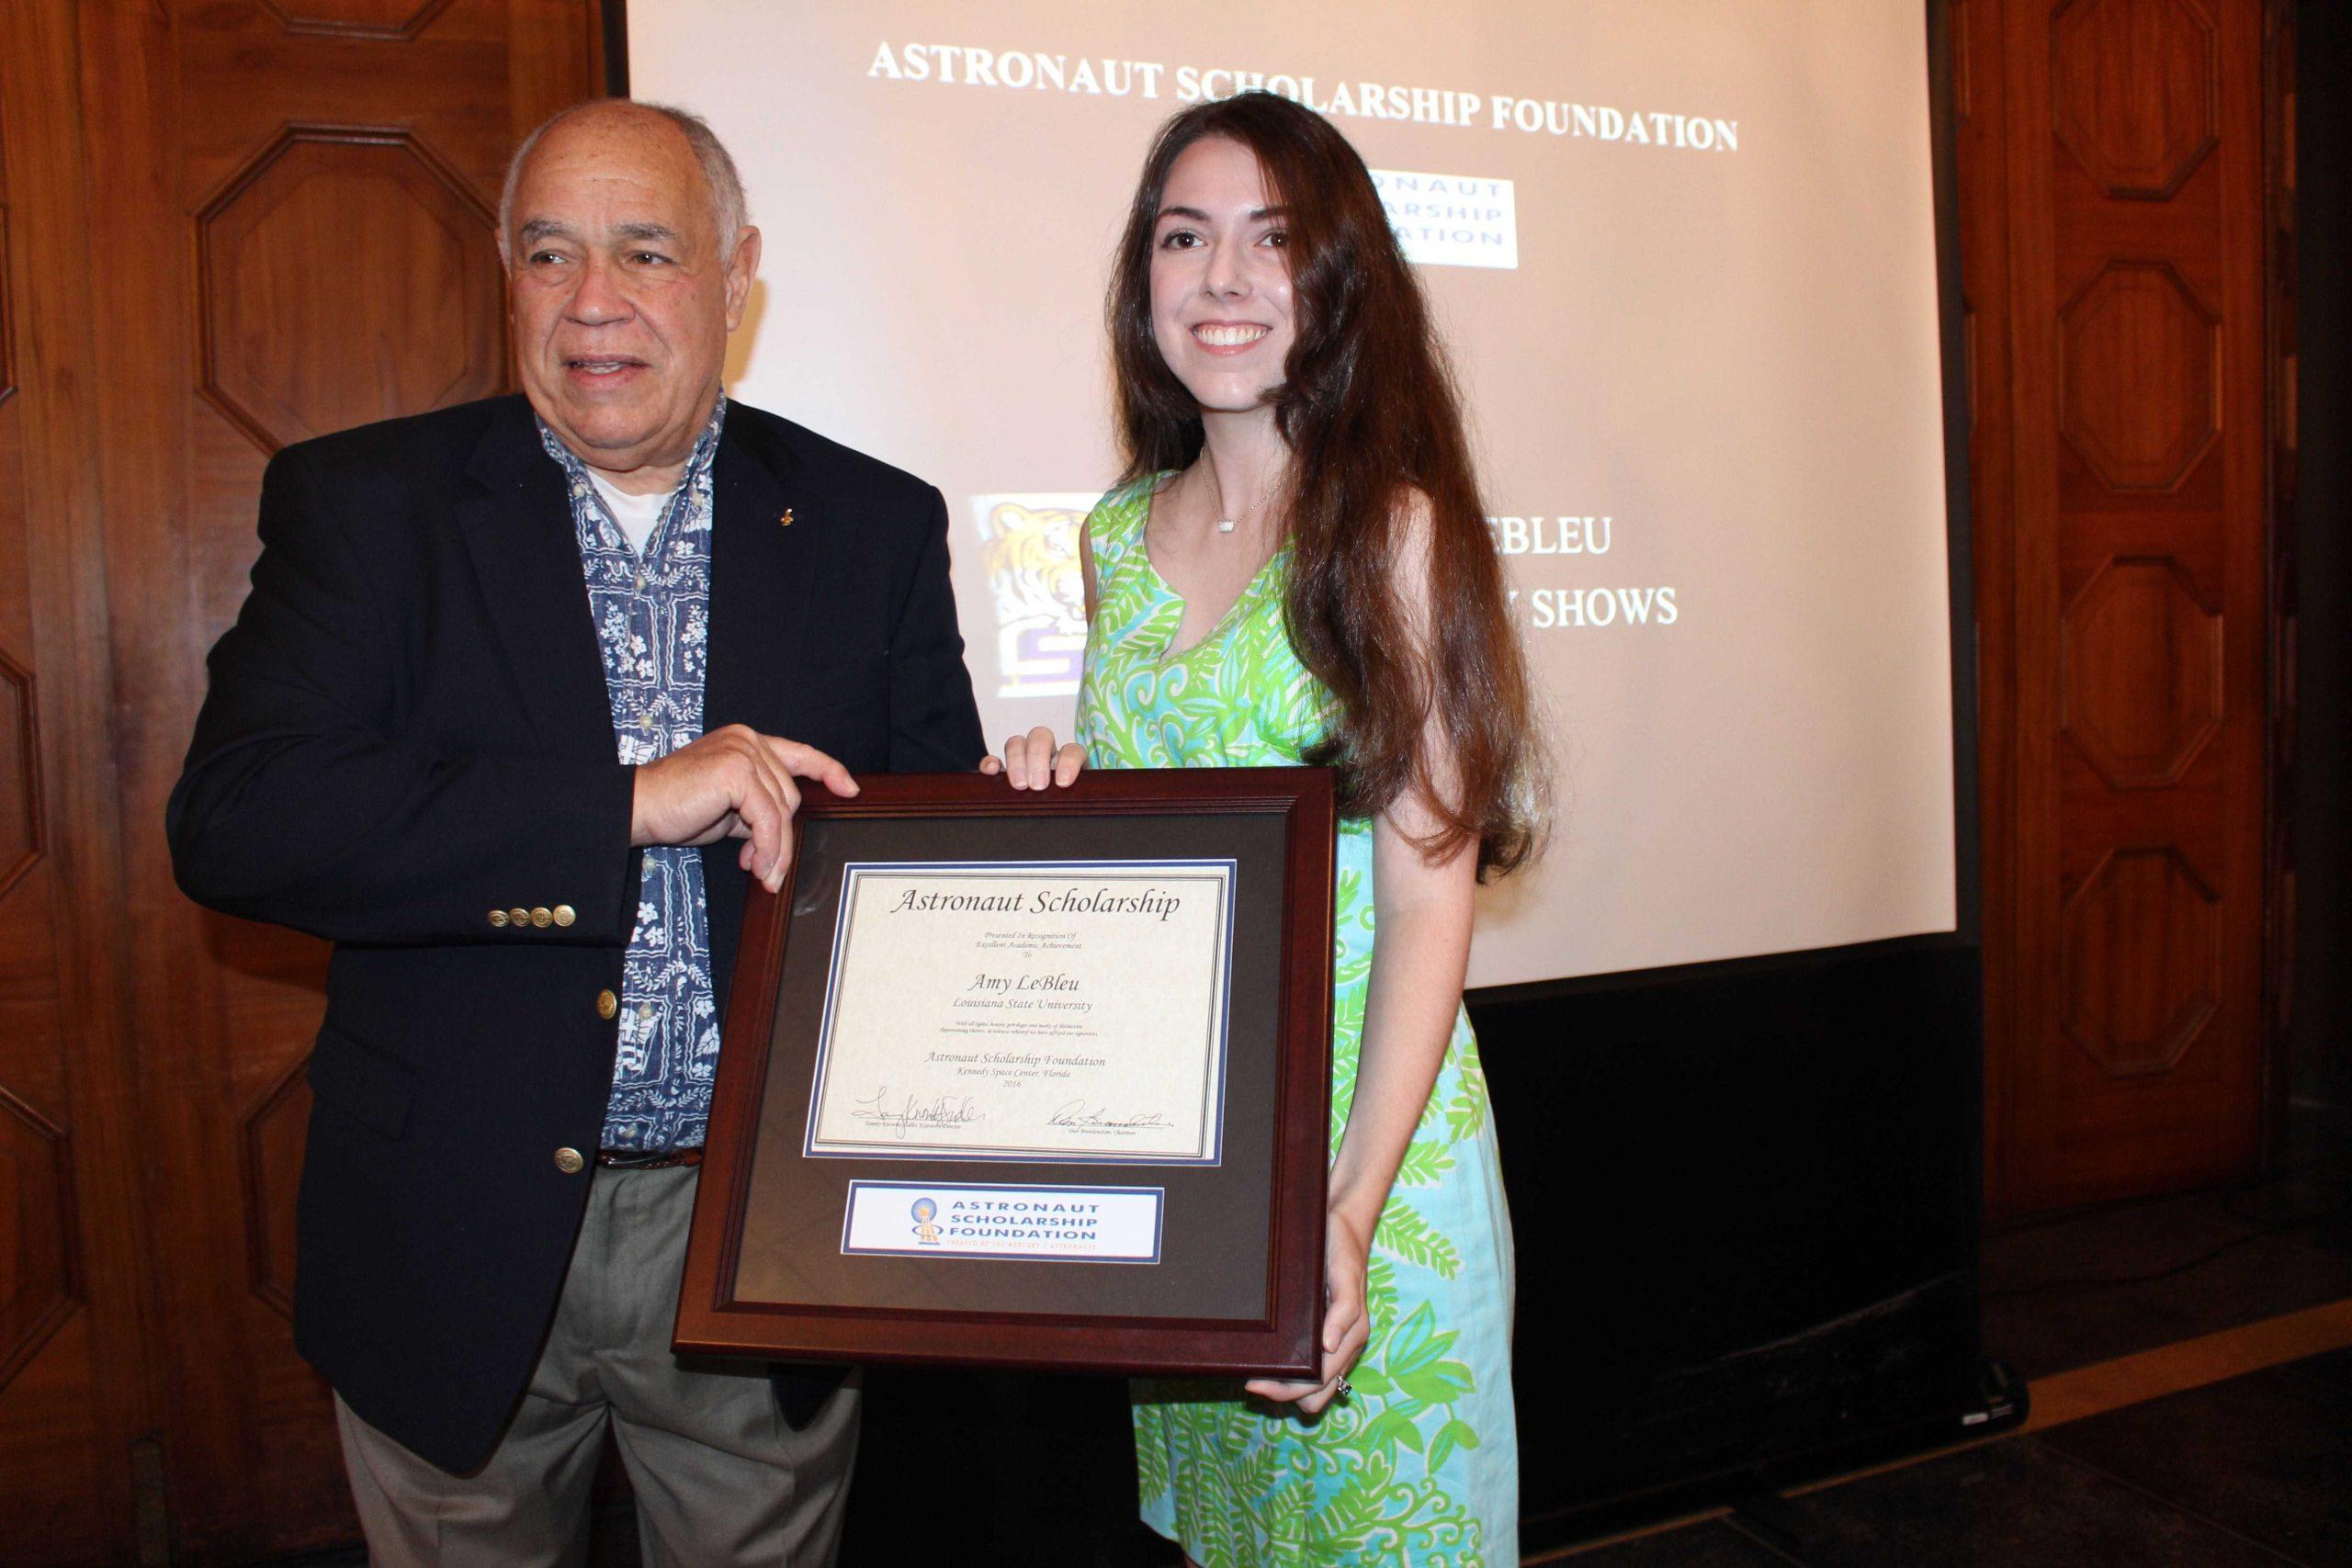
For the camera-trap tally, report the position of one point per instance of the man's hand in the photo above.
(733, 783)
(1032, 760)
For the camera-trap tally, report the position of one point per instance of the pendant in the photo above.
(1225, 524)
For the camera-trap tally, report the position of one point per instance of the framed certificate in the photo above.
(1029, 1079)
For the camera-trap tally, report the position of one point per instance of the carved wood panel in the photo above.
(2113, 192)
(2136, 88)
(2141, 957)
(345, 276)
(355, 18)
(2138, 377)
(2141, 663)
(21, 823)
(273, 1134)
(38, 1289)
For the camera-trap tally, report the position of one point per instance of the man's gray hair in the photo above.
(718, 168)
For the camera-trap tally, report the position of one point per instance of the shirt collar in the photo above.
(705, 445)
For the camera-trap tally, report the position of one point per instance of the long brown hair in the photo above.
(1369, 412)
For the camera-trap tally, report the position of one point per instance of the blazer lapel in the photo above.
(763, 575)
(764, 572)
(517, 525)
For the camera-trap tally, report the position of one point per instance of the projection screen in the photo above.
(1683, 254)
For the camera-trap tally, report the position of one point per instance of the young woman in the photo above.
(1296, 568)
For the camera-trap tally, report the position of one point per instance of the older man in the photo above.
(504, 718)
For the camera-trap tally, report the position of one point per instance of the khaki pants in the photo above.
(720, 1478)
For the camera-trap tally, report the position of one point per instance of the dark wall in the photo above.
(2322, 1032)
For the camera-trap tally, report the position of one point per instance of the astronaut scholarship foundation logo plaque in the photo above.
(1049, 1224)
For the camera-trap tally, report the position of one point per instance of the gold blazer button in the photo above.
(565, 915)
(498, 917)
(569, 1162)
(518, 916)
(607, 1004)
(541, 918)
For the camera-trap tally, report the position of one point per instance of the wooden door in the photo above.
(2114, 195)
(239, 223)
(75, 1387)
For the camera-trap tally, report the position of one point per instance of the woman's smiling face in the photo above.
(1220, 277)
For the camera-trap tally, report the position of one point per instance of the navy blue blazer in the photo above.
(407, 729)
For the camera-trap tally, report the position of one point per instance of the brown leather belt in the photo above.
(648, 1159)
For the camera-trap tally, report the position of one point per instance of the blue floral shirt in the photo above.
(652, 616)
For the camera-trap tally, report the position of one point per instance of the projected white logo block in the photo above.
(1029, 544)
(1451, 220)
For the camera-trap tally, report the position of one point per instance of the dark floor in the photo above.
(2256, 1470)
(2085, 1288)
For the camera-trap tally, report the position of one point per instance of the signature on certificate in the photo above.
(1080, 1115)
(941, 1110)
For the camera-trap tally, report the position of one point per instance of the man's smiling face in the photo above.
(620, 297)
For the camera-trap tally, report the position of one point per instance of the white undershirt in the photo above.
(638, 516)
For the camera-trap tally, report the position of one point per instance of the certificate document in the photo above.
(1027, 1011)
(1029, 1079)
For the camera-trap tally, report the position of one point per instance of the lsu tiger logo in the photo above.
(1031, 550)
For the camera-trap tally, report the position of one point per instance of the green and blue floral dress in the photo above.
(1419, 1466)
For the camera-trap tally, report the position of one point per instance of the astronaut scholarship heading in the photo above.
(1023, 70)
(1044, 901)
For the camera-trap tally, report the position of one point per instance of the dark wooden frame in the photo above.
(1285, 1340)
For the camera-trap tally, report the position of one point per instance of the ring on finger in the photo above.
(1342, 1388)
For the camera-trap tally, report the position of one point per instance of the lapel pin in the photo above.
(784, 521)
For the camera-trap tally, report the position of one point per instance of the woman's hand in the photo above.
(1032, 760)
(1347, 1253)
